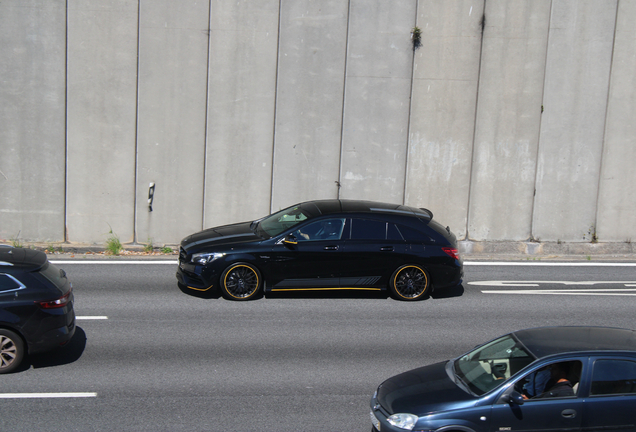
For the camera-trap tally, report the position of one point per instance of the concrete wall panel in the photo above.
(442, 122)
(508, 119)
(576, 89)
(617, 200)
(242, 100)
(376, 109)
(32, 119)
(102, 97)
(173, 56)
(310, 86)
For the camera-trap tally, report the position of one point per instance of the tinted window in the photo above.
(412, 235)
(613, 377)
(8, 283)
(326, 229)
(366, 229)
(393, 233)
(53, 274)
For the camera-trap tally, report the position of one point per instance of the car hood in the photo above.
(421, 391)
(226, 234)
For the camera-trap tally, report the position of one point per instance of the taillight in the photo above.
(452, 252)
(58, 303)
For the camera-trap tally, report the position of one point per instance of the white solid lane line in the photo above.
(45, 395)
(550, 264)
(100, 262)
(96, 317)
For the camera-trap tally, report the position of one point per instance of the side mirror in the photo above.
(290, 239)
(514, 398)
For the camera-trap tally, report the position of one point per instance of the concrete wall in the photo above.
(512, 121)
(32, 119)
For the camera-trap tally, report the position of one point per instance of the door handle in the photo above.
(387, 248)
(331, 247)
(568, 413)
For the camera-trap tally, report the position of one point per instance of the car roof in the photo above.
(20, 258)
(330, 206)
(545, 341)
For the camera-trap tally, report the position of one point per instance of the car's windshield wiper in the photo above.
(459, 380)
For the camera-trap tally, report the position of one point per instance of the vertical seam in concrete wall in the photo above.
(66, 131)
(271, 183)
(472, 155)
(408, 123)
(207, 111)
(344, 97)
(536, 158)
(607, 102)
(136, 175)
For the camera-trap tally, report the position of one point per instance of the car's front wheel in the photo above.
(241, 281)
(410, 282)
(11, 351)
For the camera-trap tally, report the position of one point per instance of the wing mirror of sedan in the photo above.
(514, 398)
(290, 239)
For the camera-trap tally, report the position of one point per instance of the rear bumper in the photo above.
(55, 337)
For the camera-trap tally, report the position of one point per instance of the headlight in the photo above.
(403, 421)
(206, 257)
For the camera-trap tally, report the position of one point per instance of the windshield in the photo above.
(276, 223)
(490, 365)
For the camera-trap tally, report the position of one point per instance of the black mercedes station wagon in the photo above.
(542, 379)
(36, 306)
(324, 245)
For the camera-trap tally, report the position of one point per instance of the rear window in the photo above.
(53, 274)
(413, 235)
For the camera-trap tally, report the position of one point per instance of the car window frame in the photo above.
(581, 392)
(590, 377)
(21, 286)
(310, 222)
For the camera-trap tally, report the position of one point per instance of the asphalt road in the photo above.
(147, 357)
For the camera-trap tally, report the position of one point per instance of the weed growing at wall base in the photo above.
(113, 245)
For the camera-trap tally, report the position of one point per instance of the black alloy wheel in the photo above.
(410, 282)
(241, 281)
(11, 351)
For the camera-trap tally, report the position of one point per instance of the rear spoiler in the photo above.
(425, 210)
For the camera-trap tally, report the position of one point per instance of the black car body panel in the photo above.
(601, 369)
(354, 256)
(37, 282)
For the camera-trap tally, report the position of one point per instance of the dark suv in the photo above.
(36, 306)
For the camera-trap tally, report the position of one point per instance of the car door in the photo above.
(374, 249)
(541, 412)
(611, 405)
(309, 257)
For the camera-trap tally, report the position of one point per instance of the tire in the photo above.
(241, 281)
(410, 282)
(11, 351)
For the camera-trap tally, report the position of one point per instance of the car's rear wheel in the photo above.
(241, 281)
(410, 282)
(11, 351)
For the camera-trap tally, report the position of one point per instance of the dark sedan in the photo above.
(36, 306)
(543, 379)
(324, 245)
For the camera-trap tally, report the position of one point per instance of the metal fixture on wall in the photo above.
(151, 195)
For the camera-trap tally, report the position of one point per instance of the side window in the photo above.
(9, 283)
(393, 233)
(559, 379)
(367, 229)
(326, 229)
(613, 377)
(413, 235)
